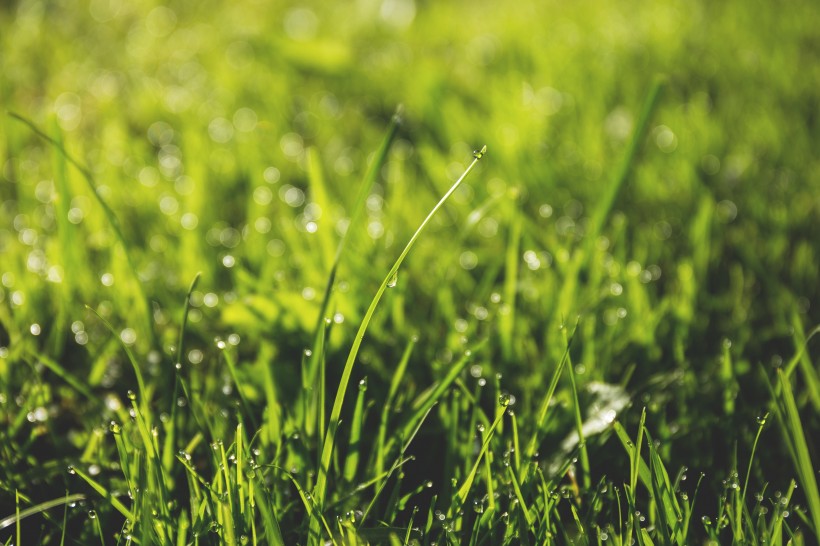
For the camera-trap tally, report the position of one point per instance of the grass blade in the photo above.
(120, 507)
(793, 428)
(333, 424)
(39, 508)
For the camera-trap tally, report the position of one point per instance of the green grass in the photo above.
(256, 286)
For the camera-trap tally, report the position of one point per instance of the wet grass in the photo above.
(245, 300)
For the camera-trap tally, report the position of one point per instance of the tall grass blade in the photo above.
(365, 188)
(333, 424)
(96, 486)
(793, 427)
(38, 509)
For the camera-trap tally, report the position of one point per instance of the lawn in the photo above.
(404, 272)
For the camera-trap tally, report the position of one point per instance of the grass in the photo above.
(245, 298)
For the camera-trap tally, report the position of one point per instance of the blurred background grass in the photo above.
(198, 122)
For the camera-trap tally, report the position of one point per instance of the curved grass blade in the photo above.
(358, 210)
(39, 508)
(96, 486)
(333, 424)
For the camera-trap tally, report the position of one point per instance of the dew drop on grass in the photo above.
(114, 427)
(131, 395)
(92, 514)
(391, 283)
(478, 154)
(504, 399)
(71, 470)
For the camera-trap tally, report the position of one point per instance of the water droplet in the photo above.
(706, 520)
(504, 399)
(92, 514)
(391, 283)
(478, 154)
(71, 470)
(131, 395)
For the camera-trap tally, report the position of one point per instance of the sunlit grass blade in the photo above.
(793, 428)
(801, 358)
(335, 414)
(741, 505)
(365, 189)
(103, 492)
(465, 488)
(38, 509)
